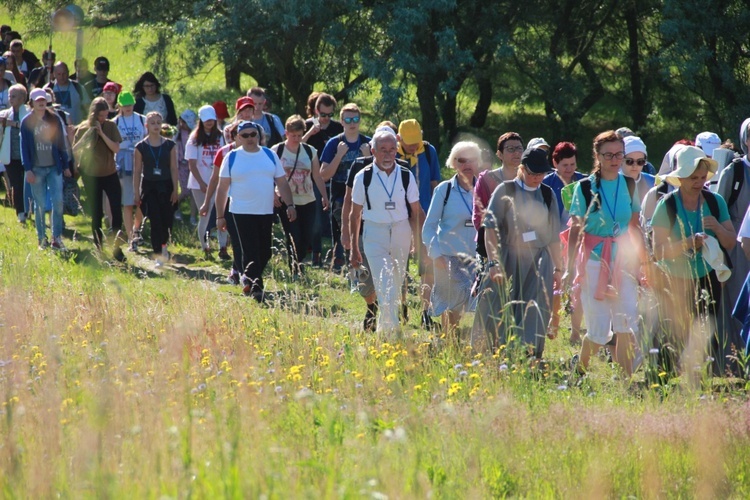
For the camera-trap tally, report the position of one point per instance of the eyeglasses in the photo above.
(251, 134)
(466, 160)
(328, 115)
(640, 161)
(613, 156)
(513, 149)
(149, 85)
(351, 119)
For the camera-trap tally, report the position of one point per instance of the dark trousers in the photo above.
(95, 187)
(298, 233)
(321, 221)
(234, 238)
(15, 174)
(337, 204)
(157, 206)
(255, 239)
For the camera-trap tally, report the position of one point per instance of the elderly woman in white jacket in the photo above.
(10, 151)
(450, 236)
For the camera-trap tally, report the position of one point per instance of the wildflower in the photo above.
(442, 381)
(390, 377)
(390, 363)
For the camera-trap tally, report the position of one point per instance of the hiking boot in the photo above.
(137, 237)
(233, 278)
(223, 254)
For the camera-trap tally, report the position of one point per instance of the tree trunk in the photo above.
(638, 107)
(426, 92)
(450, 122)
(479, 117)
(232, 77)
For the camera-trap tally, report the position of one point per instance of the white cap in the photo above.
(634, 144)
(537, 142)
(707, 141)
(207, 113)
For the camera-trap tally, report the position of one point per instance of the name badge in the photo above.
(157, 171)
(390, 205)
(468, 223)
(529, 236)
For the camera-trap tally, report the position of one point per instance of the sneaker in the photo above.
(44, 244)
(57, 244)
(22, 218)
(233, 278)
(223, 254)
(164, 253)
(133, 247)
(137, 237)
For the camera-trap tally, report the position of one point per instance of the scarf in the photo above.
(412, 159)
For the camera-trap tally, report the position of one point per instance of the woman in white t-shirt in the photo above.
(248, 175)
(302, 167)
(132, 127)
(203, 144)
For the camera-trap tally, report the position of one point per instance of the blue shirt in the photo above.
(448, 229)
(615, 198)
(329, 153)
(557, 184)
(425, 171)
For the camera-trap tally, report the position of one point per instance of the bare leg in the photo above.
(625, 349)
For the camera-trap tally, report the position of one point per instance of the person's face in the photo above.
(385, 152)
(633, 164)
(566, 167)
(110, 97)
(294, 136)
(127, 110)
(61, 74)
(410, 149)
(209, 125)
(511, 153)
(248, 138)
(530, 178)
(17, 51)
(696, 181)
(245, 113)
(153, 123)
(353, 118)
(102, 73)
(466, 164)
(149, 88)
(610, 156)
(259, 99)
(102, 115)
(49, 62)
(16, 98)
(324, 114)
(39, 105)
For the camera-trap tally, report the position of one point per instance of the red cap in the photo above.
(222, 113)
(244, 102)
(112, 87)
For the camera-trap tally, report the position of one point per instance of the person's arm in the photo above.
(480, 198)
(210, 189)
(746, 246)
(416, 220)
(355, 222)
(346, 218)
(173, 169)
(320, 184)
(193, 166)
(222, 192)
(667, 248)
(328, 169)
(430, 229)
(282, 185)
(113, 146)
(137, 172)
(313, 130)
(496, 271)
(724, 231)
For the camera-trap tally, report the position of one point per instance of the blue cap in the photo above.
(246, 124)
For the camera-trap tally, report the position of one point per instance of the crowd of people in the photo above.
(646, 261)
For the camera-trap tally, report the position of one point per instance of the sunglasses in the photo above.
(251, 134)
(466, 160)
(352, 119)
(630, 161)
(327, 115)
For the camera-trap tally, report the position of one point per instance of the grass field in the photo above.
(127, 381)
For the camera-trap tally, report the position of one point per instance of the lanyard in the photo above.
(393, 187)
(156, 156)
(613, 211)
(691, 228)
(461, 192)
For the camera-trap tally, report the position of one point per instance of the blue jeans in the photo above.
(47, 181)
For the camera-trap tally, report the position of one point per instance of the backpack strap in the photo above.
(662, 190)
(271, 155)
(587, 194)
(230, 160)
(367, 180)
(546, 195)
(630, 182)
(738, 179)
(671, 205)
(405, 179)
(308, 150)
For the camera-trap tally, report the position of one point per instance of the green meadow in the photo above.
(124, 380)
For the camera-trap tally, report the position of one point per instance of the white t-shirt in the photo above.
(744, 231)
(301, 181)
(132, 130)
(204, 156)
(253, 178)
(380, 185)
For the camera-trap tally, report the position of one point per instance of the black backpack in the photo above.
(588, 196)
(276, 136)
(670, 203)
(738, 179)
(405, 179)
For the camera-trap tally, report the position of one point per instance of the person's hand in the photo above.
(175, 197)
(291, 213)
(98, 128)
(497, 275)
(137, 199)
(203, 210)
(710, 223)
(566, 280)
(66, 172)
(276, 202)
(221, 224)
(326, 204)
(557, 280)
(30, 177)
(365, 149)
(314, 129)
(698, 240)
(342, 149)
(204, 186)
(355, 258)
(441, 262)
